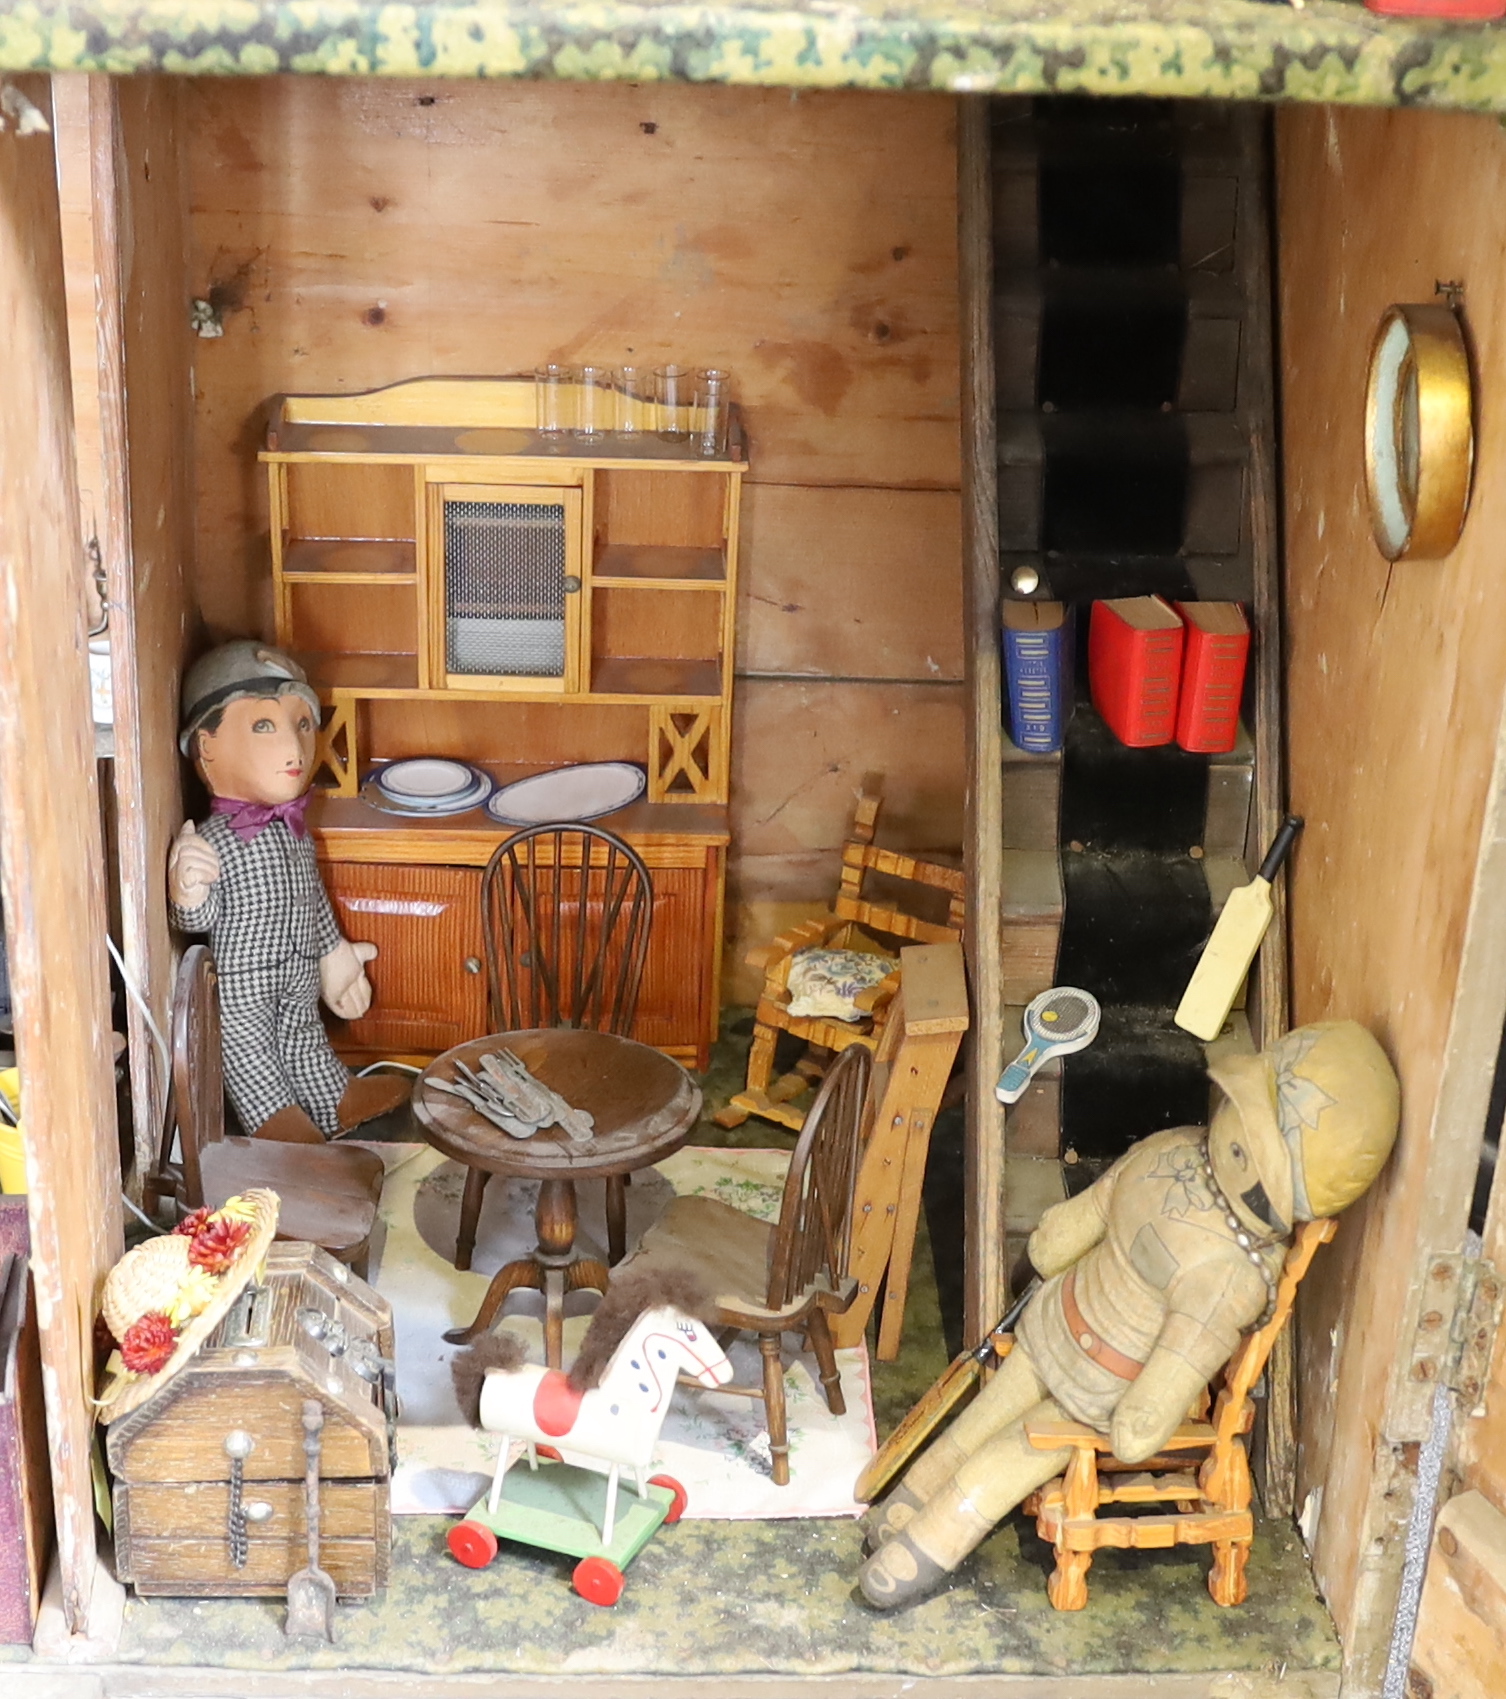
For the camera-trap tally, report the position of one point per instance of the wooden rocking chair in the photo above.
(1212, 1506)
(842, 929)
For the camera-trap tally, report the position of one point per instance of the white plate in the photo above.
(374, 796)
(584, 792)
(427, 780)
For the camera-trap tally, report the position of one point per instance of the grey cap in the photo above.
(242, 668)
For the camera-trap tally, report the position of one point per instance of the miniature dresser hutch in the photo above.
(458, 584)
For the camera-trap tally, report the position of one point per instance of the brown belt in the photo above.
(1095, 1349)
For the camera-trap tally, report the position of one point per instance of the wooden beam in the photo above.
(51, 861)
(985, 1273)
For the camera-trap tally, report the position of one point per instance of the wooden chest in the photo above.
(312, 1330)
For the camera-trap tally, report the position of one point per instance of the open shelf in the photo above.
(656, 566)
(355, 670)
(639, 675)
(322, 560)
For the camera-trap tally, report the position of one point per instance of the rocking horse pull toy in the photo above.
(607, 1410)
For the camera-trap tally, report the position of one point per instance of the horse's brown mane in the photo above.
(626, 1299)
(468, 1369)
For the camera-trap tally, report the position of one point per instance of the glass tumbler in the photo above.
(675, 387)
(554, 399)
(595, 414)
(635, 400)
(712, 405)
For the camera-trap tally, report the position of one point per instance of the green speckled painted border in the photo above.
(1333, 50)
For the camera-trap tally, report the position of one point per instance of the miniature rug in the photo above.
(716, 1446)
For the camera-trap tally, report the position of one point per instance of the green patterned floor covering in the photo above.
(776, 1598)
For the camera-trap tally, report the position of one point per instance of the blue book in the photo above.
(1037, 674)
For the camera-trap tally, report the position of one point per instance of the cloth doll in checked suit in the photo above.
(249, 878)
(1151, 1276)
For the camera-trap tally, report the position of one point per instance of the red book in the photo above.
(1213, 676)
(1135, 667)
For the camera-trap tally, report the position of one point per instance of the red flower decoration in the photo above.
(191, 1224)
(149, 1343)
(216, 1243)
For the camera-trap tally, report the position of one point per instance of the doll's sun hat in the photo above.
(163, 1299)
(242, 668)
(1320, 1111)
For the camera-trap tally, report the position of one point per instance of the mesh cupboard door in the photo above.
(509, 577)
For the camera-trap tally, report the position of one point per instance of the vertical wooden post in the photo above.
(51, 862)
(985, 1274)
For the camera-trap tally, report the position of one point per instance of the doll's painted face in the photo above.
(1251, 1164)
(261, 751)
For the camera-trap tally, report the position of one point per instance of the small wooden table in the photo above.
(644, 1105)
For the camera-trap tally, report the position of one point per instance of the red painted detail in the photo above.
(549, 1451)
(472, 1543)
(556, 1404)
(682, 1498)
(1438, 8)
(598, 1580)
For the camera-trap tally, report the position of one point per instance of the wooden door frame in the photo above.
(1388, 1500)
(51, 855)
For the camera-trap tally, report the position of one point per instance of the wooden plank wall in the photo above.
(51, 858)
(124, 240)
(359, 233)
(1396, 682)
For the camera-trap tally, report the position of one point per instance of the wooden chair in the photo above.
(784, 1277)
(856, 907)
(1212, 1506)
(566, 912)
(328, 1193)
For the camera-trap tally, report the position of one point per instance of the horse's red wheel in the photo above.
(598, 1580)
(682, 1498)
(472, 1543)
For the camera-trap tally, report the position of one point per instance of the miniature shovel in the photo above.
(311, 1592)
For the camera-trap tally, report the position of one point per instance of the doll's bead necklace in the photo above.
(1242, 1235)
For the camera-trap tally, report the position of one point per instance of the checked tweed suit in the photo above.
(269, 921)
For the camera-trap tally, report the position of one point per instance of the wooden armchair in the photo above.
(1212, 1505)
(784, 1277)
(856, 907)
(566, 912)
(328, 1192)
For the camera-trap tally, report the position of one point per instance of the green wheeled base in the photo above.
(561, 1508)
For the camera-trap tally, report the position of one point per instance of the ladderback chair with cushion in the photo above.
(328, 1193)
(1212, 1506)
(900, 898)
(787, 1276)
(566, 912)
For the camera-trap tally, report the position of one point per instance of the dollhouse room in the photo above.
(772, 957)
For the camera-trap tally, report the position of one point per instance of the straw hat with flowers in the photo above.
(163, 1299)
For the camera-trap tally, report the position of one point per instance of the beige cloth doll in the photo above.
(1152, 1274)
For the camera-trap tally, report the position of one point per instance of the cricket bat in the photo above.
(955, 1385)
(1228, 953)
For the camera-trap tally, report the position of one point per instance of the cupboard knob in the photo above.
(473, 964)
(572, 584)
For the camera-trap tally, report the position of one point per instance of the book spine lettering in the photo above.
(1034, 677)
(1213, 678)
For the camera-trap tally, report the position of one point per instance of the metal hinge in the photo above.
(1456, 1332)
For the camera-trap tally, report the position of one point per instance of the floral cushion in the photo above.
(823, 983)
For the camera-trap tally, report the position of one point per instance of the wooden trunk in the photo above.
(174, 1487)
